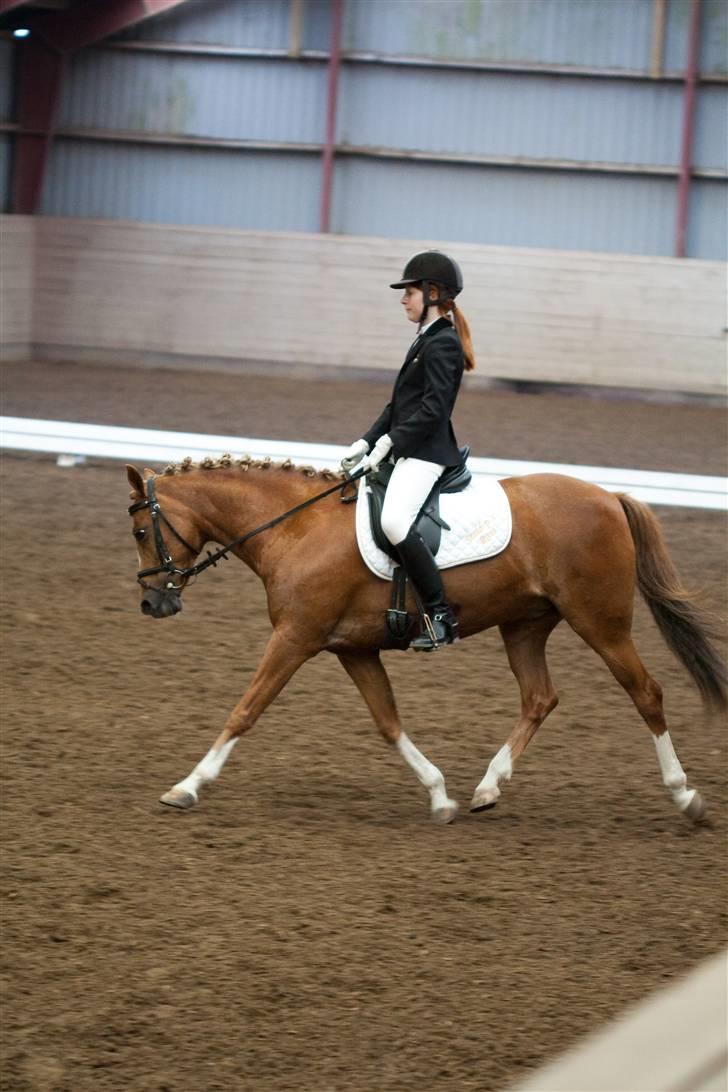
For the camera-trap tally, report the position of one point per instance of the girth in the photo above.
(429, 523)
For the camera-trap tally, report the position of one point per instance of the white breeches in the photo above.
(408, 489)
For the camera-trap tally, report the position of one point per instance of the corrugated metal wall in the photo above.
(195, 96)
(714, 37)
(184, 186)
(435, 135)
(251, 24)
(501, 208)
(569, 32)
(505, 114)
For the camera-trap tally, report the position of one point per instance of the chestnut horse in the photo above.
(576, 553)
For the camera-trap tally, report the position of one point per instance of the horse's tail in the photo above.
(688, 630)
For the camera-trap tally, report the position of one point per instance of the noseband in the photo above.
(167, 565)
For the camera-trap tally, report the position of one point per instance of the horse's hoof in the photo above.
(179, 798)
(696, 808)
(484, 799)
(446, 813)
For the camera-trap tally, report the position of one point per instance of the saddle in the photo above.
(429, 523)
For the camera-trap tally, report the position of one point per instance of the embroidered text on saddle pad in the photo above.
(479, 518)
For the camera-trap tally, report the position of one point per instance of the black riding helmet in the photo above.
(432, 267)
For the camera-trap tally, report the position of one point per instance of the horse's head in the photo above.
(163, 546)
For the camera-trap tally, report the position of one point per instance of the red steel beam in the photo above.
(41, 67)
(327, 167)
(96, 19)
(8, 5)
(688, 125)
(39, 84)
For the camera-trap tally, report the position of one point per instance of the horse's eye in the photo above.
(139, 534)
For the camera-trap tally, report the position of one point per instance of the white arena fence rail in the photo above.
(674, 1041)
(69, 438)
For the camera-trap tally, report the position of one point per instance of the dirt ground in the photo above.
(307, 927)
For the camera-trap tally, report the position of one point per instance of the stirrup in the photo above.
(440, 629)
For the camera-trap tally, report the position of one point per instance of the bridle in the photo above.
(166, 563)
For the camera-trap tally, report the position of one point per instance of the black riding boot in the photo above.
(422, 570)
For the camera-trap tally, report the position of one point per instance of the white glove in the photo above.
(354, 455)
(380, 451)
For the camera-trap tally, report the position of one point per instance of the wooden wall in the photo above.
(17, 251)
(144, 293)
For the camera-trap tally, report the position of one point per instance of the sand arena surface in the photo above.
(307, 927)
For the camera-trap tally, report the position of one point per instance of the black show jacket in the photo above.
(417, 419)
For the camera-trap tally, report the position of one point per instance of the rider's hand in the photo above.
(380, 451)
(354, 455)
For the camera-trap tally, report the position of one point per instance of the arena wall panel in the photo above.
(672, 1041)
(564, 32)
(263, 99)
(255, 190)
(714, 29)
(503, 114)
(708, 219)
(710, 139)
(536, 123)
(493, 206)
(17, 249)
(114, 291)
(218, 22)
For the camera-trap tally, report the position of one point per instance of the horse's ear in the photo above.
(148, 473)
(135, 481)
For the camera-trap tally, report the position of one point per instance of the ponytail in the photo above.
(463, 330)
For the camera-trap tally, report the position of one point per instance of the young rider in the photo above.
(414, 430)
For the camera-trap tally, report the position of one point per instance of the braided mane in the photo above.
(246, 462)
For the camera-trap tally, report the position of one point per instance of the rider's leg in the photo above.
(409, 486)
(421, 567)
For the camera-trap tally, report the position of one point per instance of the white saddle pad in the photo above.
(479, 518)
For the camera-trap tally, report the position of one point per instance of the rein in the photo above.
(166, 564)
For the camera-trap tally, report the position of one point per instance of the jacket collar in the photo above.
(439, 324)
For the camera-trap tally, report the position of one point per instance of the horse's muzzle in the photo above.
(161, 602)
